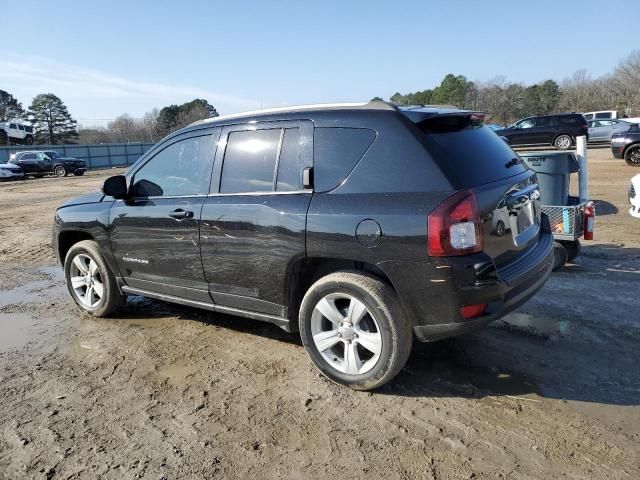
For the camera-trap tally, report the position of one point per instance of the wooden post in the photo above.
(581, 155)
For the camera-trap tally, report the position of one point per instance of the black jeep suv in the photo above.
(559, 130)
(359, 226)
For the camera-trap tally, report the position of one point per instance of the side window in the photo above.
(13, 125)
(183, 168)
(28, 129)
(250, 161)
(588, 116)
(21, 128)
(529, 123)
(28, 156)
(594, 124)
(603, 115)
(289, 165)
(542, 122)
(336, 151)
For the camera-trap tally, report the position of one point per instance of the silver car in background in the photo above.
(602, 130)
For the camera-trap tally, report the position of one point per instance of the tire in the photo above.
(79, 174)
(632, 156)
(560, 256)
(28, 140)
(500, 228)
(573, 250)
(60, 171)
(383, 324)
(563, 142)
(87, 254)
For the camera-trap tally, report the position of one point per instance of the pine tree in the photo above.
(51, 120)
(10, 107)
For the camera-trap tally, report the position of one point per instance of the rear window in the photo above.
(603, 115)
(469, 153)
(336, 151)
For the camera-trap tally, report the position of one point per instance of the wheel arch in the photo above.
(68, 238)
(627, 147)
(305, 271)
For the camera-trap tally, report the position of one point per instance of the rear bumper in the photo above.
(454, 282)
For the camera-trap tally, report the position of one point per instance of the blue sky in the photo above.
(109, 57)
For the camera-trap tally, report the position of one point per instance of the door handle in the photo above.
(180, 214)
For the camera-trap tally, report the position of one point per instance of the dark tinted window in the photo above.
(289, 165)
(469, 153)
(250, 161)
(336, 151)
(29, 129)
(28, 156)
(542, 122)
(568, 120)
(603, 115)
(13, 125)
(183, 168)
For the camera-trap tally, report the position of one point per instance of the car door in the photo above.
(544, 130)
(253, 222)
(44, 162)
(597, 130)
(27, 161)
(522, 133)
(154, 233)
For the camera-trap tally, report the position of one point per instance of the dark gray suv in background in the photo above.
(360, 226)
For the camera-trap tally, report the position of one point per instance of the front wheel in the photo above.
(354, 330)
(563, 142)
(632, 156)
(90, 282)
(60, 171)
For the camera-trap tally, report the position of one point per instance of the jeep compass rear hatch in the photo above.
(501, 196)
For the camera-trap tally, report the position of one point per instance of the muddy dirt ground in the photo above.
(164, 391)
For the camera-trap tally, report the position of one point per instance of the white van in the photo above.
(601, 114)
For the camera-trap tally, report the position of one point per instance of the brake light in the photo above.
(473, 311)
(454, 226)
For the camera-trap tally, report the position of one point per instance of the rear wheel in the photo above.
(60, 171)
(90, 282)
(632, 156)
(28, 140)
(563, 142)
(354, 330)
(560, 256)
(573, 250)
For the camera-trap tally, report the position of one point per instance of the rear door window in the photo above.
(336, 151)
(250, 161)
(289, 177)
(468, 152)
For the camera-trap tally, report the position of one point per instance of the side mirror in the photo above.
(115, 187)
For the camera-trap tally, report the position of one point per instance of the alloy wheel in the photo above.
(346, 334)
(633, 157)
(563, 142)
(60, 171)
(86, 280)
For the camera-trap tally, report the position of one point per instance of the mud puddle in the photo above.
(36, 291)
(536, 325)
(16, 331)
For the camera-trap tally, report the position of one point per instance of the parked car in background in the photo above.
(603, 130)
(9, 171)
(302, 217)
(627, 145)
(634, 196)
(41, 163)
(558, 130)
(16, 132)
(604, 114)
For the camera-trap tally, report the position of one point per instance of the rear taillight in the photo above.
(473, 311)
(454, 226)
